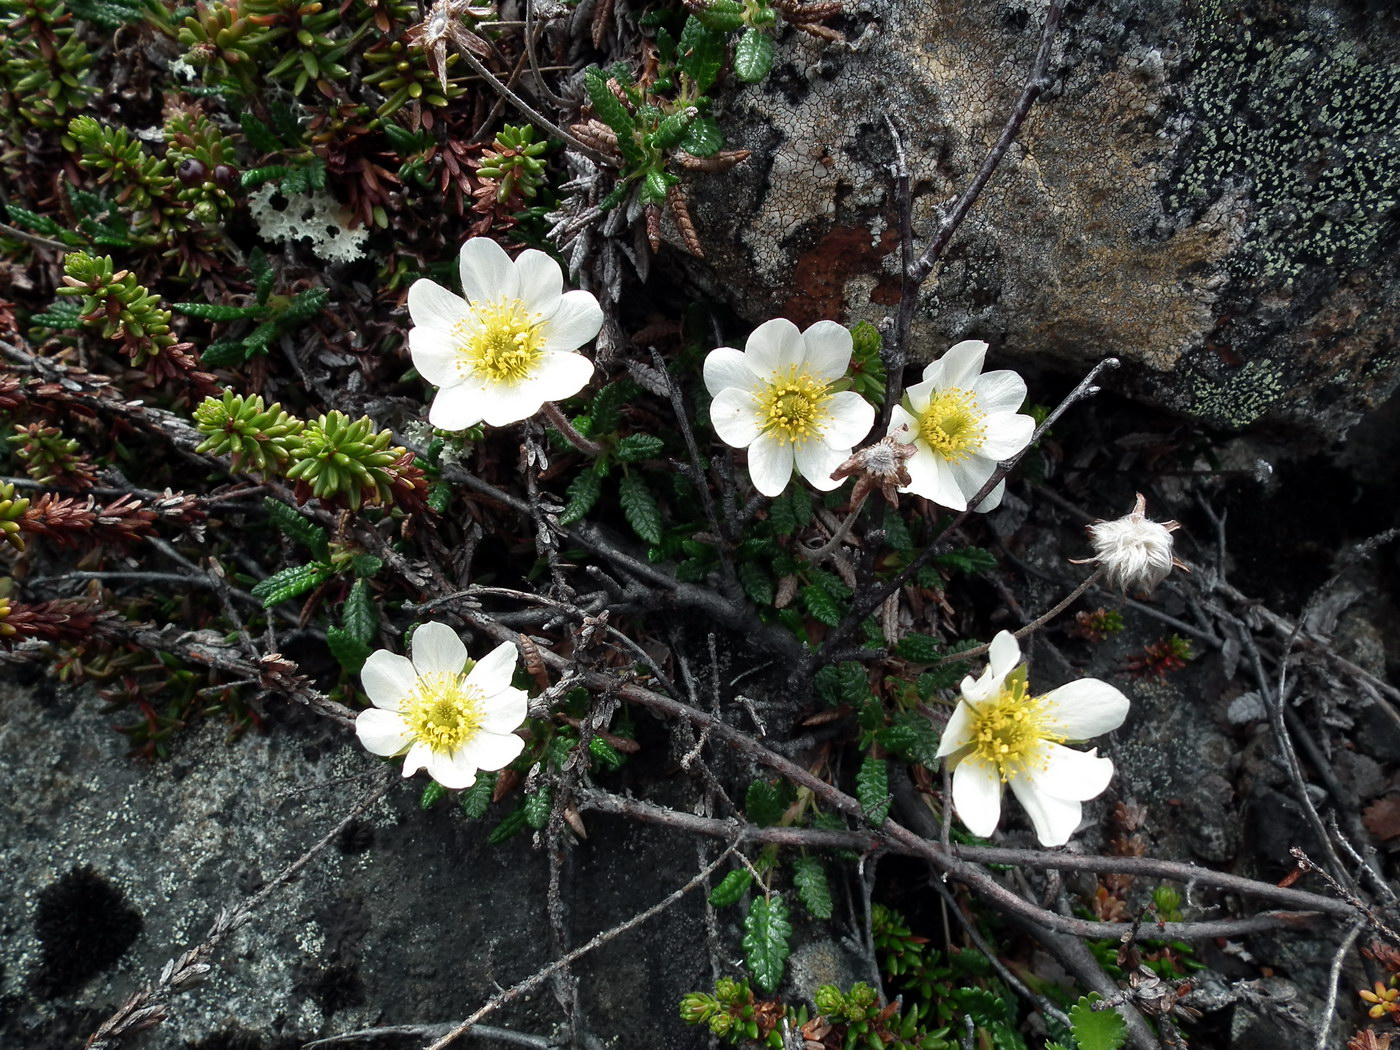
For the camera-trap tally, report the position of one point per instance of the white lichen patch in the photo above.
(313, 216)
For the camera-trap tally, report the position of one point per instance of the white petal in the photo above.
(962, 363)
(541, 281)
(734, 415)
(560, 374)
(418, 757)
(433, 306)
(775, 346)
(492, 751)
(999, 391)
(993, 500)
(452, 769)
(931, 478)
(437, 355)
(382, 732)
(1003, 654)
(815, 461)
(970, 474)
(977, 796)
(828, 351)
(1074, 775)
(726, 367)
(1086, 708)
(1006, 435)
(457, 407)
(851, 419)
(770, 465)
(437, 649)
(388, 678)
(1054, 818)
(576, 320)
(488, 275)
(900, 420)
(494, 671)
(505, 403)
(505, 712)
(919, 393)
(957, 734)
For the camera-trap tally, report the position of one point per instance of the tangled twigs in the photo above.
(1306, 864)
(146, 1008)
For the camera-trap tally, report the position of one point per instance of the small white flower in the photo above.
(1000, 734)
(441, 718)
(509, 346)
(963, 423)
(1135, 552)
(777, 399)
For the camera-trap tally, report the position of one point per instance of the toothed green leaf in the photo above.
(765, 943)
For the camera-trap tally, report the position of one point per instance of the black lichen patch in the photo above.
(357, 837)
(84, 925)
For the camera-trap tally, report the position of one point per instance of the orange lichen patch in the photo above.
(820, 278)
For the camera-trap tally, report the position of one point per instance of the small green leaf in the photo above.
(1096, 1029)
(510, 824)
(439, 496)
(366, 565)
(753, 56)
(654, 186)
(291, 581)
(224, 354)
(639, 508)
(635, 447)
(614, 114)
(765, 803)
(671, 130)
(477, 798)
(843, 683)
(873, 790)
(349, 651)
(757, 584)
(432, 795)
(359, 615)
(731, 888)
(604, 753)
(812, 890)
(537, 805)
(292, 524)
(821, 605)
(703, 138)
(583, 492)
(217, 311)
(765, 943)
(721, 15)
(919, 648)
(701, 53)
(968, 559)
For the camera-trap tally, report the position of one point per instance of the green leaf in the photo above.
(432, 795)
(671, 130)
(510, 824)
(537, 805)
(873, 790)
(217, 311)
(757, 584)
(224, 354)
(439, 496)
(635, 447)
(477, 798)
(359, 615)
(765, 803)
(605, 754)
(843, 683)
(639, 508)
(919, 648)
(654, 186)
(753, 56)
(349, 651)
(613, 113)
(295, 526)
(912, 737)
(259, 135)
(366, 565)
(731, 888)
(821, 605)
(968, 559)
(703, 138)
(721, 15)
(583, 492)
(812, 890)
(1096, 1030)
(765, 943)
(291, 581)
(701, 53)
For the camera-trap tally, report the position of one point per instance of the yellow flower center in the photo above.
(1010, 730)
(501, 341)
(443, 711)
(793, 407)
(953, 424)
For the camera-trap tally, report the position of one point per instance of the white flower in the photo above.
(963, 423)
(439, 717)
(509, 346)
(777, 399)
(1135, 552)
(1000, 734)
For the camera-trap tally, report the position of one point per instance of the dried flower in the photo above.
(882, 465)
(1134, 552)
(964, 423)
(778, 398)
(1001, 734)
(441, 716)
(509, 346)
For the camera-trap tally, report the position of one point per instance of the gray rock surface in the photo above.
(1208, 192)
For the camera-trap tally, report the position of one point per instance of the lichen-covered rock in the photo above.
(1208, 192)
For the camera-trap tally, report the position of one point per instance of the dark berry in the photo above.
(191, 171)
(226, 177)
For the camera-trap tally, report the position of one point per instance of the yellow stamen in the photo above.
(952, 424)
(501, 341)
(443, 711)
(1011, 729)
(793, 407)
